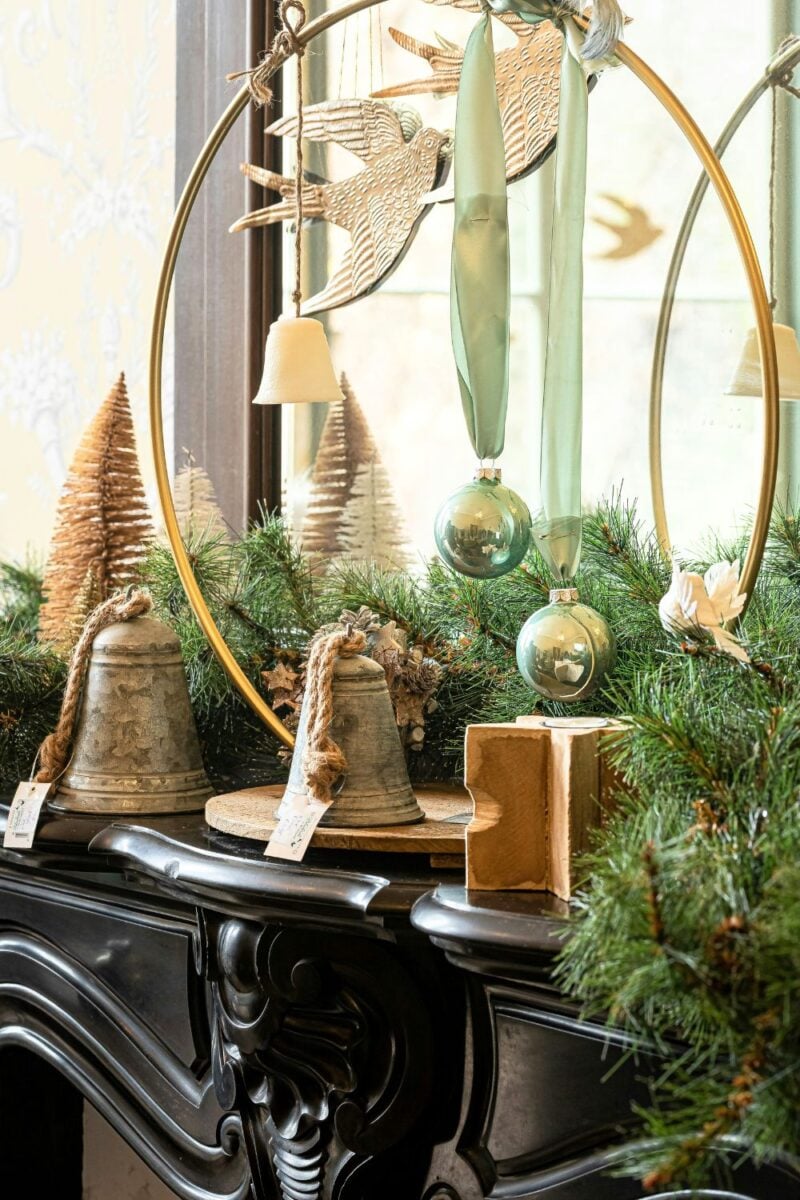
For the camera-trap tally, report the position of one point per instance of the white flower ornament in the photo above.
(706, 602)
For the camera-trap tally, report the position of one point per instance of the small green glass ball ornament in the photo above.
(565, 650)
(484, 529)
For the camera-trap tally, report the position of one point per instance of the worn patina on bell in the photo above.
(375, 789)
(136, 748)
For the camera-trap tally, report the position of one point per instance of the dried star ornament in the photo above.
(706, 603)
(281, 678)
(412, 678)
(286, 687)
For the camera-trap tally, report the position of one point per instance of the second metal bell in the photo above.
(376, 789)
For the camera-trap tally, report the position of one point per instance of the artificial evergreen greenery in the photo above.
(689, 933)
(20, 596)
(31, 683)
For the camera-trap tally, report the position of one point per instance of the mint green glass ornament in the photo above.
(484, 529)
(566, 649)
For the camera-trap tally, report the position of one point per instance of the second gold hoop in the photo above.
(786, 60)
(722, 185)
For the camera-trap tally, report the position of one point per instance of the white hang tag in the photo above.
(295, 829)
(23, 815)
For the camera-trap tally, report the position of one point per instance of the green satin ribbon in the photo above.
(557, 529)
(479, 321)
(480, 292)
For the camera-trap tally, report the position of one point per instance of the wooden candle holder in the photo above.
(539, 788)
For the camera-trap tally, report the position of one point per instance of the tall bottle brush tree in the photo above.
(103, 523)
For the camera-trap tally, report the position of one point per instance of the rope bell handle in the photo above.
(54, 752)
(323, 759)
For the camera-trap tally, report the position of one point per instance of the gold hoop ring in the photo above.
(787, 59)
(714, 170)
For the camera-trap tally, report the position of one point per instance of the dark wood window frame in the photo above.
(227, 289)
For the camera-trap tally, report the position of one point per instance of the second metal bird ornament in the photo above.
(526, 77)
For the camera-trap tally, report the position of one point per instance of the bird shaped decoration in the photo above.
(705, 604)
(528, 84)
(380, 206)
(634, 233)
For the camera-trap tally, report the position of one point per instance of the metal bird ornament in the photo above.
(527, 75)
(380, 206)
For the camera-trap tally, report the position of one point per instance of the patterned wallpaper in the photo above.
(87, 121)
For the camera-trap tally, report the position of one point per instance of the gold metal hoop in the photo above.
(719, 179)
(786, 60)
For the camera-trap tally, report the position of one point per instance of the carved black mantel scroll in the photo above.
(288, 1032)
(324, 1043)
(337, 1032)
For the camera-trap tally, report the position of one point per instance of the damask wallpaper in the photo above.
(87, 120)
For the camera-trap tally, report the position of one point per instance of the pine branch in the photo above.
(616, 544)
(20, 596)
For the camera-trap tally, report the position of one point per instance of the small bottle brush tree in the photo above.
(196, 506)
(372, 525)
(103, 522)
(348, 471)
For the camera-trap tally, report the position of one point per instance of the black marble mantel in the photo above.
(347, 1029)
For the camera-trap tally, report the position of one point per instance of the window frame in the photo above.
(231, 286)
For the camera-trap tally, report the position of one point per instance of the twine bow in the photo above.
(54, 752)
(285, 43)
(323, 760)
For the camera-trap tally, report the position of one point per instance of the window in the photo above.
(395, 345)
(95, 220)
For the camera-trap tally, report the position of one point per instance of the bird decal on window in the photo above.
(633, 234)
(380, 206)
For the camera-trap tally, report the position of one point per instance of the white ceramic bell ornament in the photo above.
(747, 378)
(297, 364)
(748, 381)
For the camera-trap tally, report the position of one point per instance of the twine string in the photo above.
(287, 42)
(784, 82)
(773, 174)
(323, 760)
(54, 752)
(299, 49)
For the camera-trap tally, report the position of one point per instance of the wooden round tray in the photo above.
(448, 811)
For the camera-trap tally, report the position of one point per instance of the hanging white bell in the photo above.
(747, 378)
(748, 381)
(297, 364)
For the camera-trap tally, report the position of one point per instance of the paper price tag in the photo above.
(295, 830)
(23, 815)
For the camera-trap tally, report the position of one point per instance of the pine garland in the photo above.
(31, 684)
(689, 934)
